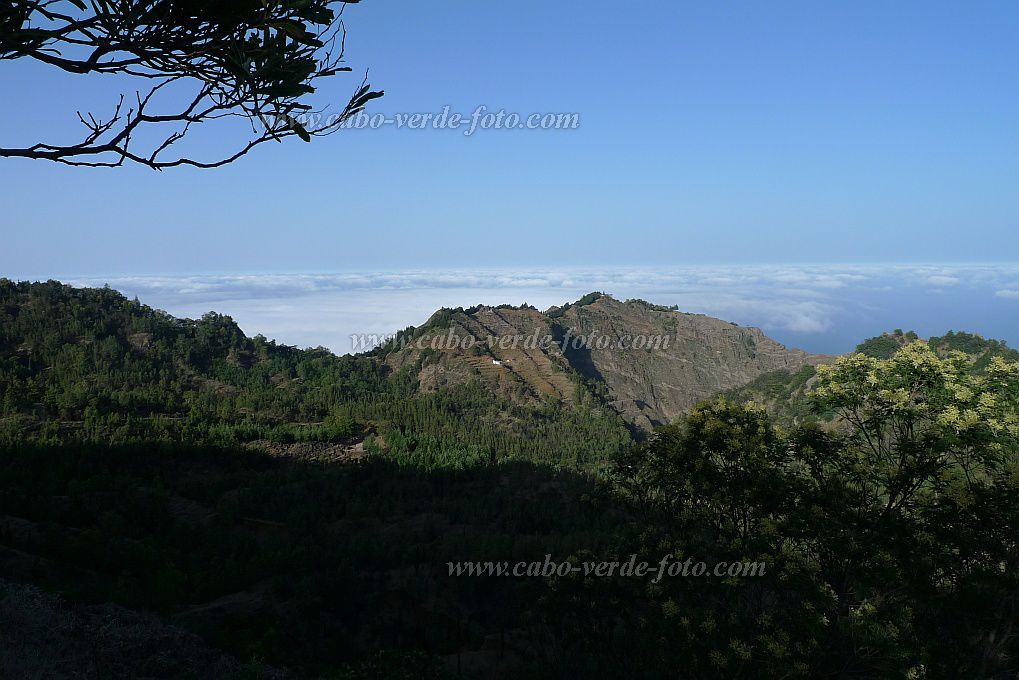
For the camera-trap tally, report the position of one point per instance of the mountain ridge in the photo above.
(683, 358)
(88, 362)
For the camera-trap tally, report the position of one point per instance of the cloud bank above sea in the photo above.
(819, 307)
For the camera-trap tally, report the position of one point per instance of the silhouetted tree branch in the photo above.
(257, 60)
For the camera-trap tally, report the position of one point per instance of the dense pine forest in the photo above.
(90, 365)
(297, 510)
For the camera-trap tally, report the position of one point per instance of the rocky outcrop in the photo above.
(648, 363)
(685, 358)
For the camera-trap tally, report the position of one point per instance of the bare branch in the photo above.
(259, 61)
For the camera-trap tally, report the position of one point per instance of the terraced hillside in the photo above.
(648, 363)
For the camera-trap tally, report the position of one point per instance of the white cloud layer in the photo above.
(795, 302)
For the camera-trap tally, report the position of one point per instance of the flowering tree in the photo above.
(920, 421)
(890, 532)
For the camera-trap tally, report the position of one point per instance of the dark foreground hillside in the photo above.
(307, 565)
(44, 636)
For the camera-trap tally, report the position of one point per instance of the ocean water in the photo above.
(819, 308)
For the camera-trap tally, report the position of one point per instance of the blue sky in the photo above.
(710, 133)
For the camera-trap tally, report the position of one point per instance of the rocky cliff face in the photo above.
(646, 362)
(703, 356)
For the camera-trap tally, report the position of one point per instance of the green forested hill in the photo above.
(90, 365)
(980, 350)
